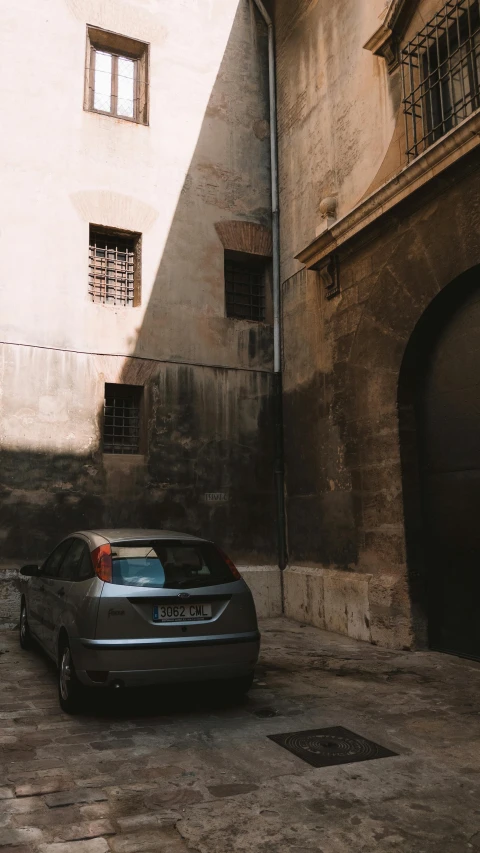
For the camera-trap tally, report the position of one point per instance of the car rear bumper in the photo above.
(146, 662)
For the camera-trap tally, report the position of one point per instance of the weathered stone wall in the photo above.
(208, 430)
(345, 501)
(351, 485)
(337, 112)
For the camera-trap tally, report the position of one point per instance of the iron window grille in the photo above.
(245, 288)
(116, 76)
(114, 267)
(441, 74)
(121, 424)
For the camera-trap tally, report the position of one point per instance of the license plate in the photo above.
(181, 612)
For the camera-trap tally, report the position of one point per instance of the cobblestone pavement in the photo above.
(181, 771)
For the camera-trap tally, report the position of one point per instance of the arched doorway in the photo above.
(439, 412)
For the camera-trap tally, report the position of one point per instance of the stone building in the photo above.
(378, 136)
(137, 371)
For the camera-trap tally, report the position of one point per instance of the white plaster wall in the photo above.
(63, 167)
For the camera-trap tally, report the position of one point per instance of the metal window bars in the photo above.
(112, 269)
(441, 74)
(121, 426)
(245, 289)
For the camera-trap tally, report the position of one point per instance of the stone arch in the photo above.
(442, 317)
(416, 263)
(243, 236)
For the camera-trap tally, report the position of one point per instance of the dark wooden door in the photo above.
(449, 425)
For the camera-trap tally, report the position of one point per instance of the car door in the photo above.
(51, 602)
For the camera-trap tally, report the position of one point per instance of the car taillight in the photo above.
(102, 563)
(236, 574)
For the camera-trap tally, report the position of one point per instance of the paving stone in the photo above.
(95, 845)
(231, 790)
(151, 820)
(82, 831)
(160, 840)
(6, 793)
(49, 820)
(124, 743)
(16, 849)
(22, 805)
(19, 835)
(174, 797)
(47, 786)
(78, 795)
(95, 811)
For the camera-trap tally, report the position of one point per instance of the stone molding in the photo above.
(248, 237)
(386, 39)
(431, 163)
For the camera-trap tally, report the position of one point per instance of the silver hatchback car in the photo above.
(124, 608)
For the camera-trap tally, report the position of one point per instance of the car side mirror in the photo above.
(30, 571)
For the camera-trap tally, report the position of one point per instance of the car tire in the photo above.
(24, 633)
(69, 688)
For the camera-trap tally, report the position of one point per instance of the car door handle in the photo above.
(61, 592)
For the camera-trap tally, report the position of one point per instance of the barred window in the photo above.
(441, 74)
(122, 419)
(114, 267)
(116, 76)
(245, 286)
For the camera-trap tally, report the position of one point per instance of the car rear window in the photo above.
(169, 564)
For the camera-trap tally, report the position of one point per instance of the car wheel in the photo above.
(25, 635)
(69, 687)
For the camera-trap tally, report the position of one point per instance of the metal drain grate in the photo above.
(326, 747)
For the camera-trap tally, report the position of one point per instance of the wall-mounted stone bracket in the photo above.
(385, 41)
(328, 271)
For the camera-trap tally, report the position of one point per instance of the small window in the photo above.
(52, 564)
(114, 276)
(122, 419)
(169, 564)
(441, 74)
(116, 76)
(77, 565)
(245, 286)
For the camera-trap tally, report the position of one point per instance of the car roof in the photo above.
(121, 534)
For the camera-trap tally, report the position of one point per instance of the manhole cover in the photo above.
(336, 745)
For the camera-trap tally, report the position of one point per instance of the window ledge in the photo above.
(431, 163)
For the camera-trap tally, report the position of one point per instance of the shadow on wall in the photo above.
(210, 422)
(207, 379)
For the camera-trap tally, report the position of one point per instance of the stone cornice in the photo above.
(430, 164)
(385, 40)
